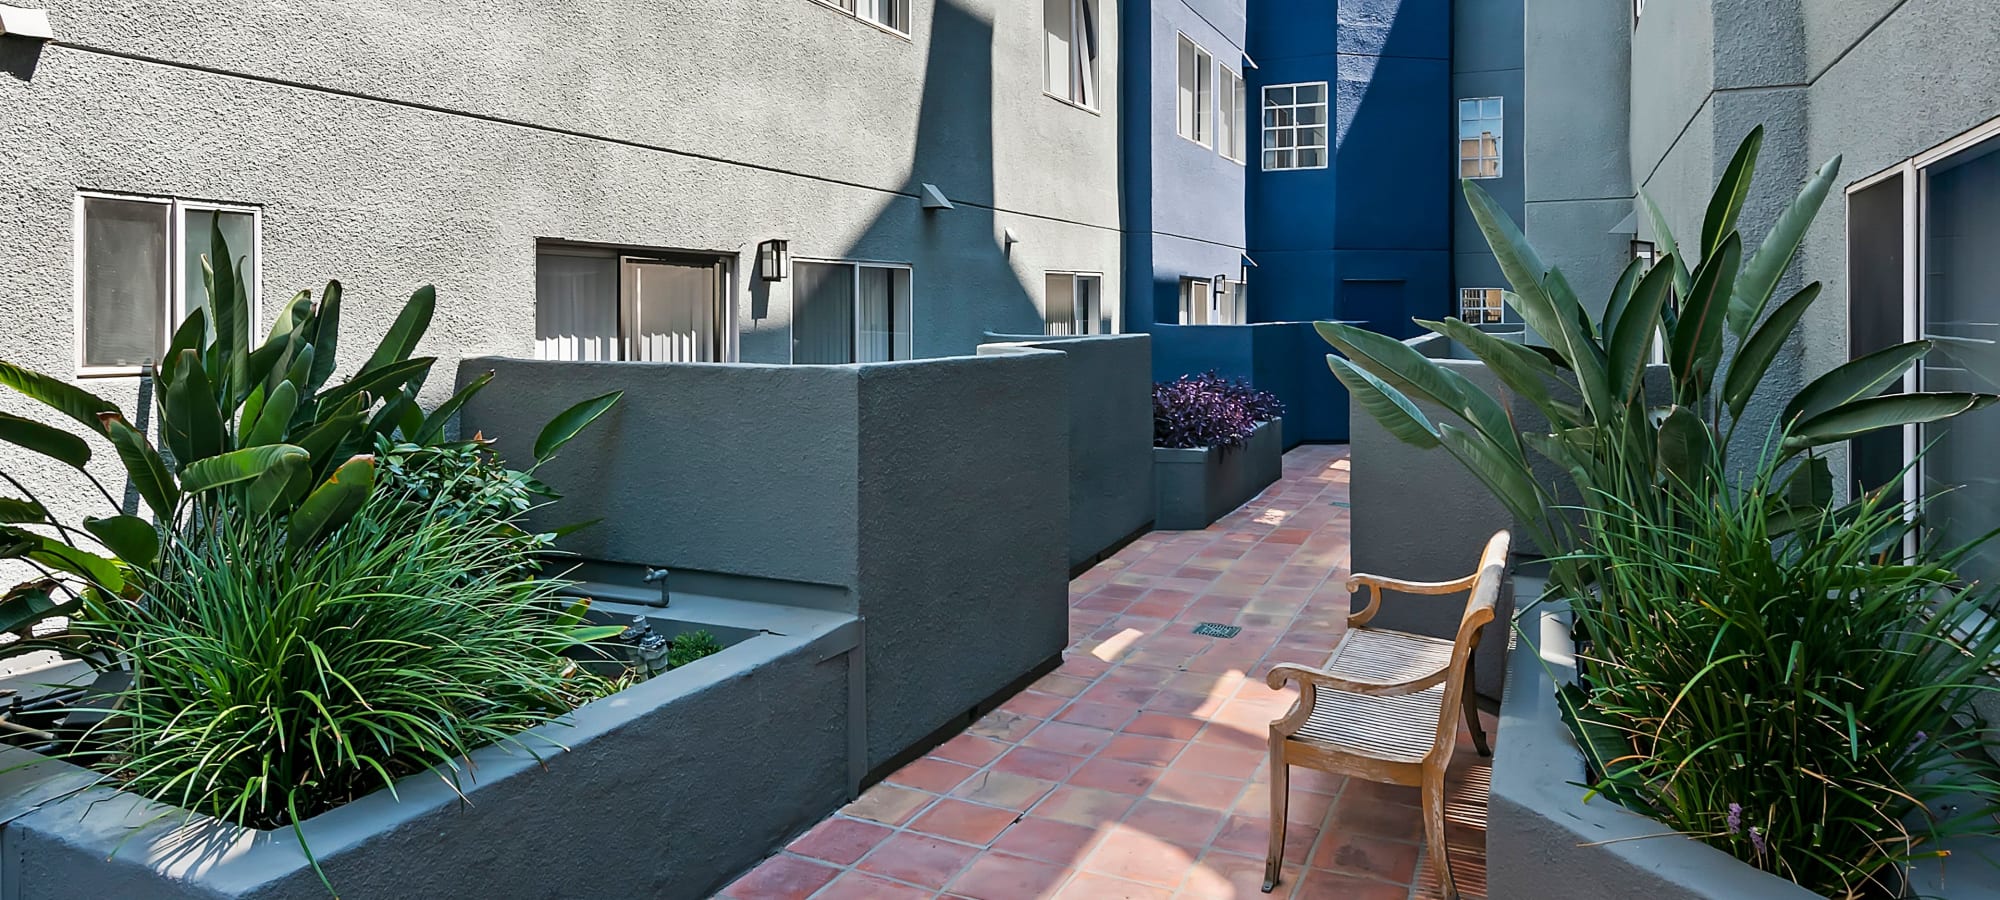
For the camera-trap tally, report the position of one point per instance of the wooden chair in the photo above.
(1387, 703)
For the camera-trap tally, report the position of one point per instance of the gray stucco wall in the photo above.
(397, 144)
(1110, 437)
(931, 498)
(1578, 182)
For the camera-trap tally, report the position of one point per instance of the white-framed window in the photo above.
(1295, 126)
(1073, 303)
(891, 14)
(595, 303)
(1230, 125)
(1193, 104)
(1070, 47)
(1921, 265)
(1481, 306)
(1202, 304)
(1480, 128)
(850, 312)
(139, 274)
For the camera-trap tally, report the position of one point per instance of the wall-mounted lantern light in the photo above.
(1218, 285)
(1646, 252)
(27, 23)
(774, 260)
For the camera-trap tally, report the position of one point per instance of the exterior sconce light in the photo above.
(774, 260)
(1218, 285)
(934, 198)
(27, 23)
(1646, 251)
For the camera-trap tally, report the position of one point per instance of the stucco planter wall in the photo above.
(1195, 487)
(666, 789)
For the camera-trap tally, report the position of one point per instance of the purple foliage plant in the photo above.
(1208, 410)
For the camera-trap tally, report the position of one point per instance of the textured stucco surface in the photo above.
(931, 498)
(397, 144)
(1196, 486)
(1110, 382)
(630, 808)
(1578, 179)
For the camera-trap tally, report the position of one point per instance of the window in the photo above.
(1481, 306)
(1202, 304)
(1295, 126)
(891, 14)
(1070, 52)
(638, 306)
(139, 273)
(1920, 264)
(1638, 9)
(1074, 304)
(1195, 116)
(1479, 132)
(1229, 137)
(849, 313)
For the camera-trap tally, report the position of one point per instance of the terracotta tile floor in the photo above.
(1137, 769)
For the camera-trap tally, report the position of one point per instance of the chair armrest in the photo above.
(1376, 583)
(1311, 680)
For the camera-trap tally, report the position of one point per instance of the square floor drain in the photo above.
(1217, 630)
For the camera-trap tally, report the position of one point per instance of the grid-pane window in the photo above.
(1195, 106)
(892, 14)
(1073, 303)
(141, 273)
(1479, 134)
(1070, 50)
(1481, 306)
(1229, 136)
(849, 313)
(1295, 126)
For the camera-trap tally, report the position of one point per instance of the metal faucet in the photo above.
(659, 575)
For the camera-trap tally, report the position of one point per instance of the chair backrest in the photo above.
(1488, 581)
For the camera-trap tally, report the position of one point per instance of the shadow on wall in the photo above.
(963, 285)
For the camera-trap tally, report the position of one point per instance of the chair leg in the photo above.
(1434, 831)
(1469, 699)
(1281, 786)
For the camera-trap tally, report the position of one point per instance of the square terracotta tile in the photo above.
(1048, 840)
(1007, 791)
(1097, 715)
(1140, 857)
(1195, 789)
(1251, 836)
(970, 749)
(1061, 685)
(863, 886)
(1035, 762)
(1091, 886)
(1185, 826)
(839, 840)
(968, 823)
(1180, 728)
(1232, 876)
(781, 877)
(1321, 885)
(999, 876)
(1034, 703)
(1063, 737)
(1001, 725)
(1359, 854)
(1143, 749)
(888, 804)
(918, 859)
(930, 774)
(1219, 759)
(1113, 775)
(1084, 806)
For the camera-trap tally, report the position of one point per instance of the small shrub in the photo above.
(691, 646)
(1209, 411)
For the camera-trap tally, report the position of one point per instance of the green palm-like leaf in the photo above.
(275, 489)
(20, 543)
(193, 423)
(192, 335)
(1638, 326)
(1686, 448)
(570, 423)
(47, 440)
(330, 505)
(323, 333)
(274, 418)
(143, 465)
(1760, 275)
(1388, 406)
(1522, 370)
(22, 511)
(1855, 379)
(1860, 417)
(1621, 294)
(1507, 477)
(379, 382)
(238, 466)
(434, 424)
(408, 329)
(61, 396)
(1753, 359)
(1418, 376)
(1727, 201)
(1697, 341)
(28, 605)
(1663, 238)
(134, 540)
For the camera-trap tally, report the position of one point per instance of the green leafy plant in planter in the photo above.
(691, 646)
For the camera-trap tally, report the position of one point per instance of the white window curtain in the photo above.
(1189, 90)
(876, 305)
(1058, 27)
(673, 311)
(576, 307)
(1059, 304)
(822, 313)
(124, 280)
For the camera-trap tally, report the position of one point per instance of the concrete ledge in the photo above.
(1544, 841)
(1196, 486)
(666, 789)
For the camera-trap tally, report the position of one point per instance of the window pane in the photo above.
(1092, 314)
(1278, 96)
(1875, 306)
(1057, 53)
(1312, 115)
(1489, 109)
(1468, 109)
(239, 231)
(1085, 51)
(673, 311)
(1961, 265)
(877, 302)
(823, 313)
(1185, 104)
(576, 307)
(124, 281)
(1312, 159)
(1271, 159)
(1312, 93)
(1285, 159)
(1059, 304)
(1312, 137)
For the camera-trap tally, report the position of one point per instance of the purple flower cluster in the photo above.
(1209, 411)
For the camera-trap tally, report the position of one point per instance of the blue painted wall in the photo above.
(1367, 239)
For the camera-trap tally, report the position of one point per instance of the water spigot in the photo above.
(660, 575)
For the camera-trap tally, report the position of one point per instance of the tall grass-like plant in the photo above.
(272, 682)
(1786, 694)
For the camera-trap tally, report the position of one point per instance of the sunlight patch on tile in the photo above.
(1116, 645)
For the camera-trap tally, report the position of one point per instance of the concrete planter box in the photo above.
(1195, 487)
(666, 789)
(1544, 841)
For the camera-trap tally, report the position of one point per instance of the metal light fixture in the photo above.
(1646, 251)
(1218, 285)
(27, 23)
(774, 260)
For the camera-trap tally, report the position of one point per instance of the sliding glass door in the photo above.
(593, 304)
(850, 312)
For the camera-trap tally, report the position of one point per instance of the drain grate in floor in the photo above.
(1217, 630)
